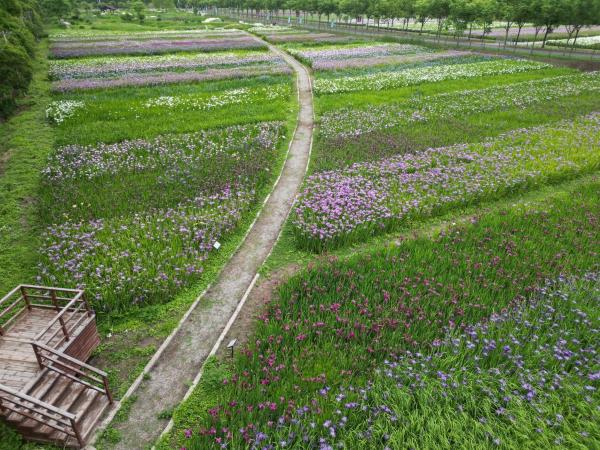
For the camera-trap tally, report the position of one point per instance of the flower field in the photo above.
(153, 44)
(90, 116)
(338, 207)
(382, 80)
(133, 214)
(437, 281)
(460, 338)
(93, 73)
(317, 56)
(350, 123)
(95, 35)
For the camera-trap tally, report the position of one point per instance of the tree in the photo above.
(20, 25)
(581, 13)
(139, 9)
(405, 9)
(487, 11)
(463, 14)
(422, 12)
(549, 14)
(439, 10)
(56, 8)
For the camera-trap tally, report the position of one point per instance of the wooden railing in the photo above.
(70, 320)
(68, 303)
(13, 299)
(72, 368)
(39, 411)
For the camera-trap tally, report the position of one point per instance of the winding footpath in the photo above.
(180, 360)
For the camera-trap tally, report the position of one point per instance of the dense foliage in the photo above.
(20, 26)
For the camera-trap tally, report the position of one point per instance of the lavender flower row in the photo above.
(115, 66)
(335, 53)
(385, 59)
(141, 258)
(369, 197)
(168, 34)
(153, 46)
(350, 123)
(148, 79)
(169, 153)
(119, 42)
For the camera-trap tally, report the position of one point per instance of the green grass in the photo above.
(393, 298)
(170, 20)
(111, 118)
(25, 142)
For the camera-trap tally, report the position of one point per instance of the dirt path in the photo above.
(178, 365)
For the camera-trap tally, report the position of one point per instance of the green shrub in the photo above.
(16, 71)
(15, 32)
(127, 17)
(32, 18)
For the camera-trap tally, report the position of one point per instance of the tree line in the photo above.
(460, 15)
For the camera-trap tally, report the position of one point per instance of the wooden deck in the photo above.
(47, 391)
(18, 364)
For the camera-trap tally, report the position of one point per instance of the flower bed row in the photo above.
(337, 207)
(142, 258)
(116, 66)
(308, 367)
(243, 95)
(386, 60)
(278, 29)
(158, 78)
(308, 37)
(102, 180)
(427, 74)
(60, 111)
(93, 35)
(346, 123)
(152, 46)
(319, 55)
(584, 42)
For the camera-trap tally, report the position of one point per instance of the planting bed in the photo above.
(337, 207)
(106, 72)
(134, 212)
(145, 45)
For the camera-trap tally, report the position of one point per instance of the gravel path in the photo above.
(182, 359)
